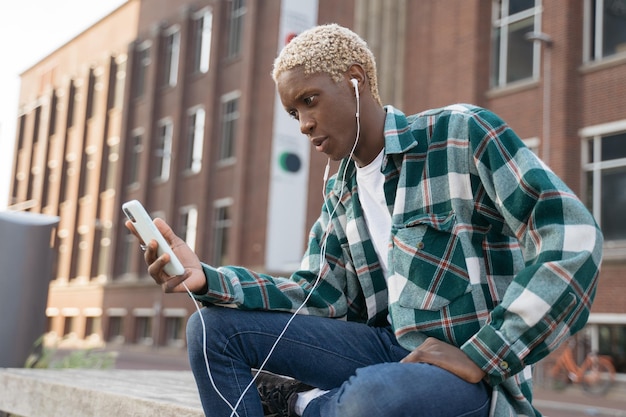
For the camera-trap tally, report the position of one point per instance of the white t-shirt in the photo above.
(370, 182)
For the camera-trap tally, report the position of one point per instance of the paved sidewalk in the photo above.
(613, 404)
(98, 393)
(574, 398)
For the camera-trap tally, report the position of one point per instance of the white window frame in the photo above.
(503, 24)
(142, 62)
(196, 119)
(593, 40)
(228, 135)
(171, 53)
(135, 151)
(189, 225)
(163, 150)
(121, 65)
(235, 27)
(592, 136)
(219, 227)
(202, 52)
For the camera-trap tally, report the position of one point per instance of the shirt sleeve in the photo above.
(550, 298)
(320, 285)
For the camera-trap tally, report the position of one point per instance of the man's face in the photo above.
(325, 109)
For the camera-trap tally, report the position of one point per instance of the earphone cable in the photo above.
(318, 279)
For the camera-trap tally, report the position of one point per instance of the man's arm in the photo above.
(551, 297)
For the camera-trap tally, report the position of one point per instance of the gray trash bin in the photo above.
(26, 262)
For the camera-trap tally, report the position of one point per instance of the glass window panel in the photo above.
(516, 6)
(614, 147)
(202, 41)
(495, 53)
(520, 51)
(614, 35)
(512, 54)
(614, 204)
(589, 190)
(611, 341)
(221, 238)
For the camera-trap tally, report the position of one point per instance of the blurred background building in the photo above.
(172, 103)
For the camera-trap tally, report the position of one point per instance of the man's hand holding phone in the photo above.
(159, 258)
(193, 276)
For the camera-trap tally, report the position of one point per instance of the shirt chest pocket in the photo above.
(428, 264)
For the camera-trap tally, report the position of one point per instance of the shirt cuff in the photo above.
(489, 350)
(219, 288)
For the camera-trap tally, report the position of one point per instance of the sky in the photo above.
(29, 31)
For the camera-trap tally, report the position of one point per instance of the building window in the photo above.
(48, 178)
(68, 325)
(20, 134)
(115, 332)
(142, 61)
(189, 225)
(134, 159)
(235, 30)
(127, 252)
(222, 227)
(174, 331)
(512, 53)
(163, 150)
(35, 171)
(101, 248)
(88, 165)
(36, 125)
(604, 163)
(72, 104)
(230, 116)
(202, 28)
(93, 89)
(143, 330)
(117, 84)
(52, 122)
(110, 158)
(611, 342)
(67, 172)
(195, 139)
(92, 326)
(604, 28)
(171, 52)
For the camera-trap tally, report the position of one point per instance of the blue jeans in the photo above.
(357, 363)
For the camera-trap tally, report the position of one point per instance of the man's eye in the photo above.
(293, 114)
(309, 100)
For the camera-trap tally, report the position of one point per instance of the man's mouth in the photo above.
(319, 143)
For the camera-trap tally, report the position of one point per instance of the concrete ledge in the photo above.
(98, 393)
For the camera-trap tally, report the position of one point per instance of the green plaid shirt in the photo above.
(488, 250)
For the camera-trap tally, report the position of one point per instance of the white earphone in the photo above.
(355, 83)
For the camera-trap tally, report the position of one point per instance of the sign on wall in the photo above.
(289, 172)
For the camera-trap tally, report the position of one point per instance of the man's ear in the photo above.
(356, 71)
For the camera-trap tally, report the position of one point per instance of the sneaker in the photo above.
(279, 393)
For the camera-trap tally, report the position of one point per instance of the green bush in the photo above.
(47, 357)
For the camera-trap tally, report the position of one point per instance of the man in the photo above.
(447, 260)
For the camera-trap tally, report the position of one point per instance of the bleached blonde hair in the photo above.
(330, 49)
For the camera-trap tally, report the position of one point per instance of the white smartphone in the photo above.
(146, 228)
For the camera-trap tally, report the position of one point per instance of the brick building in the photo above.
(171, 103)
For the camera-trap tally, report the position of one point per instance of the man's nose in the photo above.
(306, 125)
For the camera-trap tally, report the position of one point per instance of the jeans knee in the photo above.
(362, 395)
(194, 327)
(394, 389)
(202, 327)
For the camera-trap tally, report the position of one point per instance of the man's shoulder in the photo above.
(457, 108)
(455, 117)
